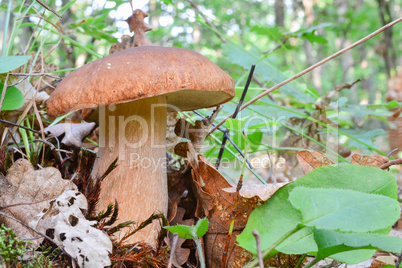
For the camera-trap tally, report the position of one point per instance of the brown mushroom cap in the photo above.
(188, 80)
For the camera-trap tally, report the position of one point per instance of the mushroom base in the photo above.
(135, 134)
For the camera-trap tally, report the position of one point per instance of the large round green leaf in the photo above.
(277, 217)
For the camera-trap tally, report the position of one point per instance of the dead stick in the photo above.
(391, 163)
(48, 8)
(259, 251)
(172, 249)
(340, 52)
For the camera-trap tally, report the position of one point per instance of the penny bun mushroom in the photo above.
(134, 89)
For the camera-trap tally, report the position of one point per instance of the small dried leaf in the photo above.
(181, 149)
(366, 160)
(219, 205)
(89, 246)
(139, 27)
(264, 192)
(74, 133)
(33, 189)
(312, 160)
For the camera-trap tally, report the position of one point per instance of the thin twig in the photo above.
(172, 249)
(34, 74)
(48, 8)
(340, 52)
(51, 85)
(277, 47)
(226, 133)
(16, 125)
(391, 163)
(259, 251)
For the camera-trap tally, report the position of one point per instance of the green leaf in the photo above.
(299, 243)
(392, 104)
(277, 217)
(234, 124)
(344, 210)
(274, 32)
(367, 137)
(13, 98)
(254, 139)
(333, 242)
(190, 232)
(10, 63)
(312, 38)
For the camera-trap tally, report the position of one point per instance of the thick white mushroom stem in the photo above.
(135, 133)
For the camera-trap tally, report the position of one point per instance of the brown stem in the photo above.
(134, 132)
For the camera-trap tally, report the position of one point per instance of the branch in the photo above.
(340, 52)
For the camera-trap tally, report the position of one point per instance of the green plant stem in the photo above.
(199, 249)
(6, 24)
(268, 251)
(299, 263)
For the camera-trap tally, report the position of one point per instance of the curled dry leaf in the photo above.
(219, 206)
(139, 27)
(74, 133)
(366, 160)
(25, 192)
(264, 192)
(312, 160)
(89, 246)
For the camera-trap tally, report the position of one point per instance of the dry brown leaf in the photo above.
(181, 149)
(312, 160)
(139, 27)
(366, 160)
(381, 261)
(264, 192)
(219, 206)
(32, 189)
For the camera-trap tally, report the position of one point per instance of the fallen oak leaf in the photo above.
(264, 192)
(25, 192)
(366, 160)
(89, 246)
(312, 160)
(219, 207)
